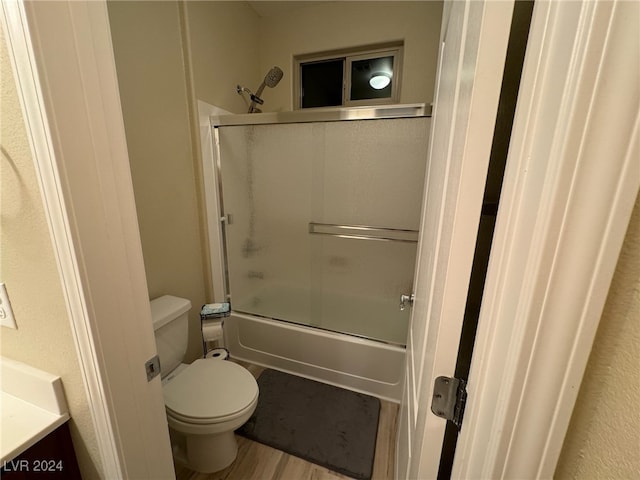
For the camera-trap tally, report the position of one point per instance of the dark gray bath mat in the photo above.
(323, 424)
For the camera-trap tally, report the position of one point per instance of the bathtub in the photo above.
(346, 361)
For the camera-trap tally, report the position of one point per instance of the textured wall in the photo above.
(28, 268)
(603, 440)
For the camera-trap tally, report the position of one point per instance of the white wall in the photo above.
(223, 49)
(28, 268)
(335, 25)
(230, 44)
(148, 46)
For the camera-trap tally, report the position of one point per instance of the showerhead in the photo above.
(273, 77)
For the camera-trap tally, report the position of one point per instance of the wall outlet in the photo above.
(6, 313)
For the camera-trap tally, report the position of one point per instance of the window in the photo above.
(357, 77)
(321, 83)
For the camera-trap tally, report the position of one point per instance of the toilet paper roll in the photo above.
(218, 354)
(211, 331)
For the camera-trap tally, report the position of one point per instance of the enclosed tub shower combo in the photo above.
(313, 225)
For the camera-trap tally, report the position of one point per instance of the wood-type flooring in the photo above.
(260, 462)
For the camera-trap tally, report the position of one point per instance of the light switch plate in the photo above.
(6, 313)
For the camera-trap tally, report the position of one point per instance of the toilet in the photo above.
(206, 400)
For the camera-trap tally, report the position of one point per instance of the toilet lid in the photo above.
(209, 389)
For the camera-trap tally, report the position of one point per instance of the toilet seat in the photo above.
(192, 424)
(210, 391)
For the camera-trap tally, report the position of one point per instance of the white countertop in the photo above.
(32, 405)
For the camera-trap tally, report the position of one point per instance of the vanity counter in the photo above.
(32, 405)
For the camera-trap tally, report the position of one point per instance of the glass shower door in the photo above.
(322, 221)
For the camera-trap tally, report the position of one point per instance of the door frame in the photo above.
(114, 338)
(570, 184)
(66, 80)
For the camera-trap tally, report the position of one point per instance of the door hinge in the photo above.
(449, 399)
(152, 367)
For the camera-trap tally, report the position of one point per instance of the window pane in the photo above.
(322, 83)
(371, 78)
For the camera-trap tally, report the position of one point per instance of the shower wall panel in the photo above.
(285, 186)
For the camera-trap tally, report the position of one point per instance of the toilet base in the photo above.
(204, 453)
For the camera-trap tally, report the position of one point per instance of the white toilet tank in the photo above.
(170, 316)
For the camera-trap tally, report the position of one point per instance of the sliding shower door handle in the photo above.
(406, 300)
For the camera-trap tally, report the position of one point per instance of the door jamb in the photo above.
(66, 80)
(571, 181)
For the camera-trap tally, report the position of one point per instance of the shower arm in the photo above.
(255, 98)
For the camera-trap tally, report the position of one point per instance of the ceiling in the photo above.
(270, 9)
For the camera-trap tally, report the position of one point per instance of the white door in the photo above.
(474, 41)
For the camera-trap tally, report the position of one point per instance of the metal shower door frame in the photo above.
(218, 219)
